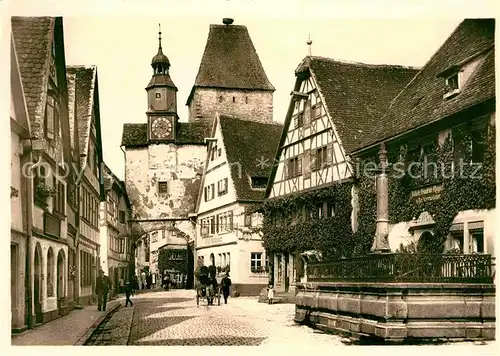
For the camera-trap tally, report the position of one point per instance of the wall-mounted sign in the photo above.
(426, 194)
(214, 240)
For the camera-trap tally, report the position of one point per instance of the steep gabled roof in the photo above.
(230, 61)
(422, 103)
(252, 145)
(136, 135)
(354, 94)
(84, 86)
(33, 41)
(357, 94)
(110, 180)
(18, 100)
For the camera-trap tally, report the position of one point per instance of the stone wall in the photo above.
(254, 105)
(399, 311)
(180, 166)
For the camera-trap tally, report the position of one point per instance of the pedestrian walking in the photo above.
(102, 287)
(226, 284)
(128, 292)
(149, 280)
(122, 285)
(270, 293)
(135, 284)
(166, 281)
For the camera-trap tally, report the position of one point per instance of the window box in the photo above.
(259, 269)
(223, 269)
(43, 193)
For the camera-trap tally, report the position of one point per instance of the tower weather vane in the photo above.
(309, 43)
(159, 34)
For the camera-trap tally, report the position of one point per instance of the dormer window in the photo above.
(452, 85)
(259, 182)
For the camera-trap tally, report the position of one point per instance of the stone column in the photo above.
(467, 243)
(381, 243)
(275, 269)
(292, 271)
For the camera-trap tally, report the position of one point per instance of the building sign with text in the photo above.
(426, 194)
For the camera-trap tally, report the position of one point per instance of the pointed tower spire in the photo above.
(160, 62)
(309, 43)
(159, 37)
(161, 89)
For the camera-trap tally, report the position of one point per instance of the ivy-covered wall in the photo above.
(331, 235)
(166, 260)
(469, 188)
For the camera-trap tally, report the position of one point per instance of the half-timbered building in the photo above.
(84, 111)
(39, 45)
(333, 105)
(116, 243)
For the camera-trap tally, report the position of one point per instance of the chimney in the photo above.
(227, 21)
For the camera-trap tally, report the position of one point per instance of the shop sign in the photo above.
(427, 194)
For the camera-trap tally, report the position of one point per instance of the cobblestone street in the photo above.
(173, 318)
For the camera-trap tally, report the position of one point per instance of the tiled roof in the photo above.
(230, 61)
(193, 132)
(136, 135)
(421, 102)
(357, 94)
(252, 145)
(161, 80)
(84, 96)
(111, 179)
(33, 41)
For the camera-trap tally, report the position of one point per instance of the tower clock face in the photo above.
(161, 128)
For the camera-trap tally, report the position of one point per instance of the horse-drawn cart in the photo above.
(207, 287)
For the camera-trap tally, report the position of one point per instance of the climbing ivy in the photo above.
(167, 261)
(332, 236)
(472, 188)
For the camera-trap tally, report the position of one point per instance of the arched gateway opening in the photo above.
(175, 230)
(37, 284)
(61, 259)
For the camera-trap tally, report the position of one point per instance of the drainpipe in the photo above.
(27, 203)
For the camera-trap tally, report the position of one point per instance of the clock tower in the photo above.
(162, 100)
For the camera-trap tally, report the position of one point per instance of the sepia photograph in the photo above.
(212, 175)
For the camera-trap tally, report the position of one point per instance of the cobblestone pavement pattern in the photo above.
(63, 331)
(173, 318)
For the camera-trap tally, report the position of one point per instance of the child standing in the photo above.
(270, 293)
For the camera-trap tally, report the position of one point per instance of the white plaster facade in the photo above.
(224, 236)
(179, 166)
(19, 196)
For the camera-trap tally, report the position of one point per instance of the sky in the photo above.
(122, 49)
(120, 38)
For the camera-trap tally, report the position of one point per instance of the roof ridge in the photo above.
(403, 115)
(231, 117)
(421, 70)
(81, 66)
(223, 25)
(362, 64)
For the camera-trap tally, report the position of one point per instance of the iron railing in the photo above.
(405, 267)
